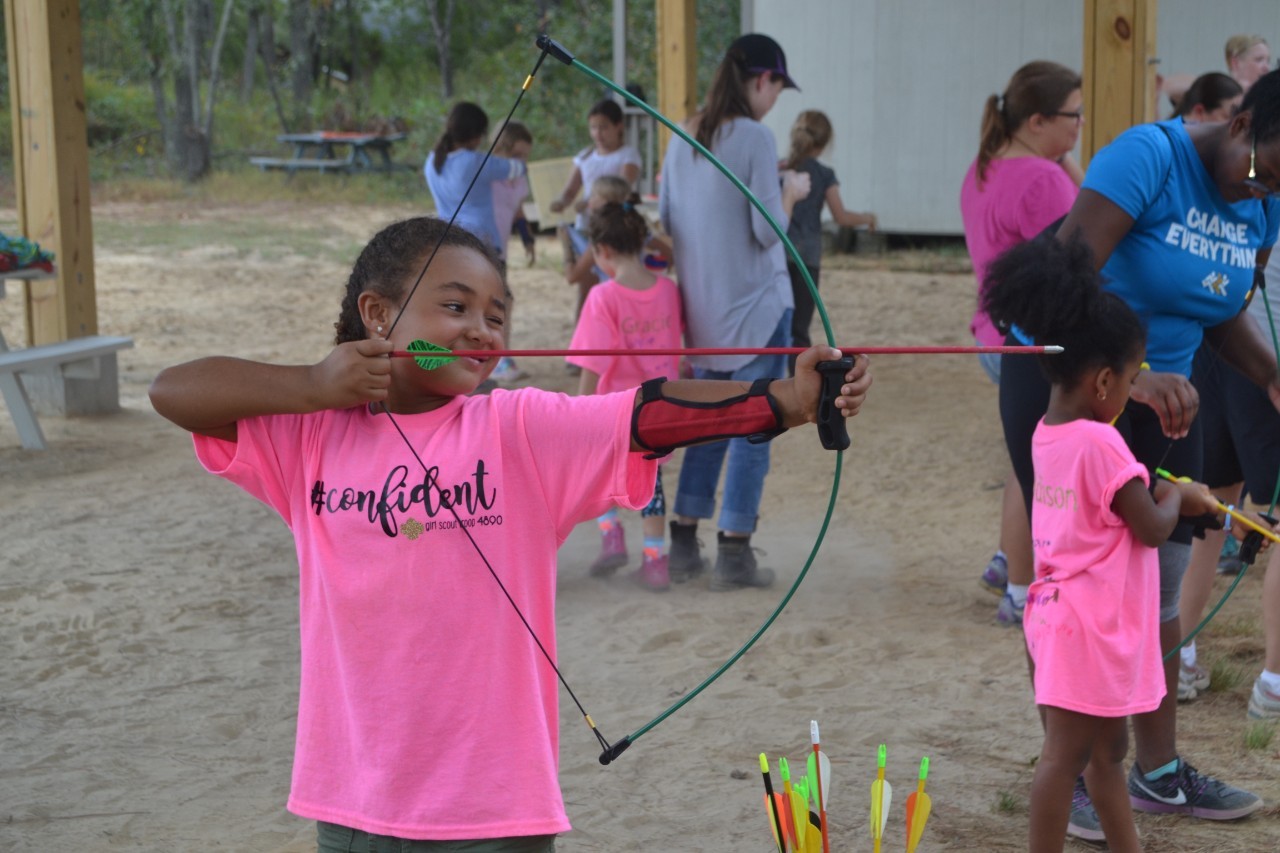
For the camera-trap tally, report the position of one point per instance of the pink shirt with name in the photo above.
(1092, 619)
(426, 710)
(618, 317)
(1020, 198)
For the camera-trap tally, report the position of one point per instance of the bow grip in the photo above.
(1252, 543)
(832, 428)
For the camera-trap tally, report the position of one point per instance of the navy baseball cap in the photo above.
(761, 53)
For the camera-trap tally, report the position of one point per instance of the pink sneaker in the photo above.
(613, 552)
(653, 574)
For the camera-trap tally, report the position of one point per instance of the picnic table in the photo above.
(319, 151)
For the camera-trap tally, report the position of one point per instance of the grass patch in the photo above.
(1225, 676)
(248, 185)
(1234, 628)
(1259, 735)
(269, 239)
(1007, 803)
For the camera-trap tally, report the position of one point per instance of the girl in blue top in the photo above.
(1179, 218)
(452, 167)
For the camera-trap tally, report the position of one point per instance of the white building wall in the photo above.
(904, 81)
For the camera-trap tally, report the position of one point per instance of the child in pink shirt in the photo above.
(633, 309)
(426, 520)
(1092, 613)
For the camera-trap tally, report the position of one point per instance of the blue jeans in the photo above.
(748, 463)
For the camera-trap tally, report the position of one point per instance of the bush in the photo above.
(115, 109)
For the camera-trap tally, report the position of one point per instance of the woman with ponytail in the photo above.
(452, 167)
(733, 275)
(1023, 179)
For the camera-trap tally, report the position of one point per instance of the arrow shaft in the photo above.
(868, 350)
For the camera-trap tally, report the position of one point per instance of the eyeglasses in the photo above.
(1254, 185)
(1078, 115)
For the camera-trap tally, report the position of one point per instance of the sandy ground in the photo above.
(149, 610)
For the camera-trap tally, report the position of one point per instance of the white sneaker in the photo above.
(1263, 704)
(1192, 681)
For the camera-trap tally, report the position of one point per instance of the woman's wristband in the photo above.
(1226, 525)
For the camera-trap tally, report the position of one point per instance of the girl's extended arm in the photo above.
(210, 395)
(1150, 520)
(1153, 520)
(847, 218)
(797, 398)
(569, 192)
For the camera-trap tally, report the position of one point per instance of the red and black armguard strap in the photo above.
(660, 424)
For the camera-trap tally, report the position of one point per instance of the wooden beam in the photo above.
(677, 63)
(1119, 69)
(51, 162)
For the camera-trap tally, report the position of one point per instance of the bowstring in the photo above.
(433, 481)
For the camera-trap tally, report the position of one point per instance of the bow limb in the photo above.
(560, 53)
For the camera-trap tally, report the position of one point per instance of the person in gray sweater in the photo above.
(733, 278)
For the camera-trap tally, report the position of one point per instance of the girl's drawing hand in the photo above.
(355, 372)
(1173, 397)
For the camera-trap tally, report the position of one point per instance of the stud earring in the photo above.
(379, 330)
(1102, 395)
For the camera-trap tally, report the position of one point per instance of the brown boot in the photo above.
(685, 560)
(736, 565)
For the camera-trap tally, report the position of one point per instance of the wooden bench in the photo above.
(291, 164)
(79, 358)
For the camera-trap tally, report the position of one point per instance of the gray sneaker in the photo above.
(1083, 823)
(1008, 614)
(1263, 704)
(1185, 791)
(736, 565)
(995, 577)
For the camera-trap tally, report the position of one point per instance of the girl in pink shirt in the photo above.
(633, 309)
(1092, 614)
(424, 517)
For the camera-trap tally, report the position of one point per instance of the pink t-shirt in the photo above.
(426, 710)
(1092, 620)
(617, 317)
(1020, 198)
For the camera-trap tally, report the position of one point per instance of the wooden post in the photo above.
(1119, 69)
(677, 63)
(51, 162)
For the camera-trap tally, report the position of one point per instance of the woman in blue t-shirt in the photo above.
(1178, 217)
(451, 169)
